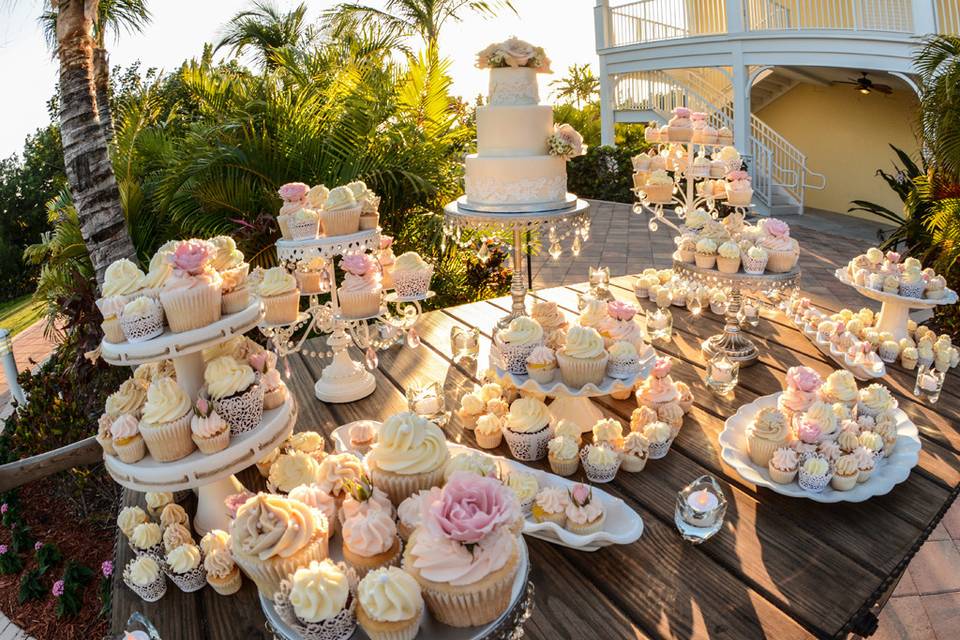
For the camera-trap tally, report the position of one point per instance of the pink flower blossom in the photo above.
(191, 256)
(385, 242)
(3, 549)
(621, 310)
(203, 407)
(682, 112)
(294, 192)
(734, 176)
(58, 588)
(258, 361)
(803, 379)
(4, 507)
(37, 545)
(893, 257)
(808, 432)
(357, 263)
(470, 508)
(234, 502)
(581, 494)
(106, 568)
(662, 367)
(776, 228)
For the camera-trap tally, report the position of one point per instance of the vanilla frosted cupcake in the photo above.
(129, 398)
(292, 469)
(129, 518)
(706, 253)
(341, 212)
(235, 393)
(636, 450)
(389, 605)
(562, 453)
(411, 276)
(583, 359)
(126, 439)
(608, 431)
(408, 456)
(157, 500)
(845, 473)
(281, 298)
(362, 435)
(524, 487)
(840, 386)
(144, 577)
(360, 293)
(319, 596)
(600, 462)
(624, 362)
(304, 224)
(542, 364)
(728, 257)
(874, 400)
(141, 319)
(754, 260)
(515, 343)
(147, 539)
(184, 567)
(222, 572)
(527, 429)
(767, 433)
(165, 425)
(569, 429)
(660, 436)
(550, 505)
(272, 537)
(815, 474)
(338, 472)
(472, 406)
(489, 431)
(110, 310)
(471, 462)
(370, 541)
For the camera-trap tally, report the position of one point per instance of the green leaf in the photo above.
(30, 587)
(48, 556)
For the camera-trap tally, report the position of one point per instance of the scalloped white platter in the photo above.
(328, 247)
(888, 473)
(881, 296)
(828, 349)
(622, 526)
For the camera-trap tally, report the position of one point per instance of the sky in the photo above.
(180, 27)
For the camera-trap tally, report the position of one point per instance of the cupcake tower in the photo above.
(327, 233)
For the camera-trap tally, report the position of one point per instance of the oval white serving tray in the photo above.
(881, 296)
(622, 526)
(827, 349)
(889, 472)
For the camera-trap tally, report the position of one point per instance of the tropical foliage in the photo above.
(579, 86)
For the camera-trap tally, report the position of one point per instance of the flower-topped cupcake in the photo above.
(360, 293)
(585, 514)
(659, 389)
(739, 189)
(191, 296)
(211, 433)
(802, 386)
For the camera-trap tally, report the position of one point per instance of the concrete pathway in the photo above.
(30, 348)
(10, 631)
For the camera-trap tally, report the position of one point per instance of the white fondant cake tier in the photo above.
(509, 86)
(513, 131)
(519, 180)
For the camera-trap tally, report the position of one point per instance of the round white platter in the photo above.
(622, 526)
(365, 240)
(503, 627)
(888, 473)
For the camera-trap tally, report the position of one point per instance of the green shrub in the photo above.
(604, 173)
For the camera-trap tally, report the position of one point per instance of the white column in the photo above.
(734, 9)
(607, 136)
(602, 24)
(741, 104)
(924, 17)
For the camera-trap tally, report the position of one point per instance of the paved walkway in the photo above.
(30, 348)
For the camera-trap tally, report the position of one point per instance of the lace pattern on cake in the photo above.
(513, 91)
(497, 190)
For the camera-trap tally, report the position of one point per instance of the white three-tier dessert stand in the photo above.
(344, 379)
(210, 475)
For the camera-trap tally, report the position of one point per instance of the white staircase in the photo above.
(779, 170)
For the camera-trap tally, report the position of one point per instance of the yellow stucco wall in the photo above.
(845, 136)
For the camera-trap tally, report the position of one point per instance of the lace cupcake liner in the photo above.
(148, 593)
(598, 473)
(623, 369)
(412, 284)
(243, 411)
(282, 308)
(513, 357)
(753, 266)
(811, 483)
(305, 229)
(141, 328)
(659, 449)
(527, 447)
(191, 581)
(339, 627)
(192, 307)
(912, 290)
(156, 552)
(888, 355)
(341, 222)
(359, 304)
(235, 301)
(168, 441)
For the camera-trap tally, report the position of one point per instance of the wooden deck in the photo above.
(781, 568)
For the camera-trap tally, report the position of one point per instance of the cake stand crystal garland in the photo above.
(344, 379)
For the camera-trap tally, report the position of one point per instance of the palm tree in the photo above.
(579, 86)
(423, 18)
(267, 31)
(937, 64)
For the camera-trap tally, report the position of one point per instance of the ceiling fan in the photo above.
(865, 85)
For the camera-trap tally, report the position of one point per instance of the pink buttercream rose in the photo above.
(621, 310)
(662, 367)
(385, 242)
(470, 508)
(682, 112)
(294, 192)
(774, 227)
(803, 379)
(808, 432)
(735, 176)
(191, 256)
(357, 263)
(202, 407)
(234, 502)
(893, 257)
(258, 361)
(581, 494)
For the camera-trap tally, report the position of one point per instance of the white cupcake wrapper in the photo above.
(659, 449)
(188, 582)
(142, 328)
(813, 484)
(242, 412)
(412, 284)
(912, 290)
(753, 266)
(148, 593)
(339, 627)
(306, 230)
(528, 447)
(598, 473)
(513, 357)
(623, 369)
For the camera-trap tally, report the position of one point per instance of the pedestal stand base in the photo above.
(211, 511)
(738, 347)
(893, 317)
(577, 409)
(342, 389)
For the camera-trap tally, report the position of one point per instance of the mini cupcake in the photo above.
(840, 386)
(185, 568)
(389, 605)
(370, 541)
(889, 351)
(766, 434)
(542, 364)
(489, 431)
(754, 260)
(281, 298)
(362, 436)
(129, 518)
(144, 577)
(585, 514)
(658, 389)
(235, 294)
(472, 406)
(110, 310)
(706, 256)
(728, 257)
(610, 432)
(222, 572)
(582, 359)
(235, 393)
(122, 280)
(636, 450)
(171, 514)
(309, 276)
(659, 187)
(524, 486)
(517, 342)
(409, 455)
(411, 276)
(874, 399)
(165, 425)
(304, 224)
(600, 462)
(550, 505)
(211, 433)
(624, 362)
(873, 442)
(104, 439)
(147, 539)
(176, 535)
(294, 196)
(815, 474)
(360, 293)
(341, 212)
(562, 454)
(141, 319)
(783, 465)
(126, 438)
(568, 429)
(552, 321)
(845, 473)
(320, 602)
(866, 462)
(527, 429)
(686, 249)
(660, 436)
(156, 501)
(191, 296)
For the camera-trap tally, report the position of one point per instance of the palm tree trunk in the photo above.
(101, 81)
(89, 172)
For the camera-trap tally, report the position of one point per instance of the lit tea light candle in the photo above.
(427, 406)
(928, 382)
(700, 510)
(702, 501)
(136, 635)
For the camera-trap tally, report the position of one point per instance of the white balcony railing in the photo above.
(652, 20)
(851, 15)
(948, 17)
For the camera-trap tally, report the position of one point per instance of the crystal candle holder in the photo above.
(750, 313)
(427, 402)
(723, 374)
(599, 280)
(701, 507)
(659, 324)
(464, 343)
(929, 383)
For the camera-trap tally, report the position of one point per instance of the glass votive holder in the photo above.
(658, 324)
(929, 383)
(464, 343)
(427, 402)
(723, 374)
(701, 507)
(749, 313)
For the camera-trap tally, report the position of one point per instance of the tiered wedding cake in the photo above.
(521, 157)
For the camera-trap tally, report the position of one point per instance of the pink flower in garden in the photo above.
(191, 256)
(662, 367)
(3, 549)
(808, 432)
(774, 227)
(470, 508)
(106, 568)
(803, 379)
(357, 263)
(234, 502)
(294, 192)
(621, 310)
(581, 494)
(4, 507)
(37, 545)
(58, 588)
(385, 242)
(734, 176)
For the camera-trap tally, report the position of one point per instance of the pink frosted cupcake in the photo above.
(191, 296)
(802, 385)
(294, 196)
(585, 514)
(782, 250)
(211, 433)
(360, 293)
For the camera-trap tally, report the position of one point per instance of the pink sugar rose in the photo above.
(662, 367)
(203, 407)
(893, 257)
(808, 432)
(191, 256)
(258, 361)
(294, 192)
(803, 379)
(470, 508)
(776, 228)
(734, 176)
(581, 494)
(385, 242)
(682, 112)
(357, 263)
(234, 502)
(621, 310)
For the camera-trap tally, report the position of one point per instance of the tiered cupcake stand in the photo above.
(895, 309)
(210, 475)
(344, 379)
(732, 341)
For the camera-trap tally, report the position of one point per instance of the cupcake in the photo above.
(610, 432)
(314, 496)
(309, 276)
(489, 431)
(409, 455)
(370, 541)
(235, 294)
(174, 536)
(754, 260)
(724, 136)
(389, 605)
(272, 537)
(184, 567)
(129, 398)
(515, 344)
(728, 257)
(275, 392)
(623, 362)
(309, 442)
(409, 512)
(172, 514)
(222, 573)
(569, 429)
(281, 298)
(686, 249)
(104, 439)
(815, 474)
(802, 386)
(147, 539)
(845, 473)
(110, 310)
(912, 284)
(542, 364)
(680, 125)
(524, 486)
(304, 224)
(320, 601)
(471, 462)
(582, 359)
(122, 279)
(126, 439)
(766, 434)
(144, 577)
(840, 386)
(600, 462)
(360, 293)
(235, 393)
(411, 276)
(636, 450)
(465, 556)
(316, 197)
(585, 514)
(866, 462)
(738, 188)
(552, 321)
(527, 429)
(141, 319)
(362, 436)
(191, 296)
(550, 505)
(660, 436)
(562, 454)
(472, 406)
(226, 259)
(783, 465)
(341, 212)
(659, 187)
(165, 425)
(211, 433)
(659, 389)
(874, 399)
(294, 196)
(782, 250)
(339, 472)
(706, 255)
